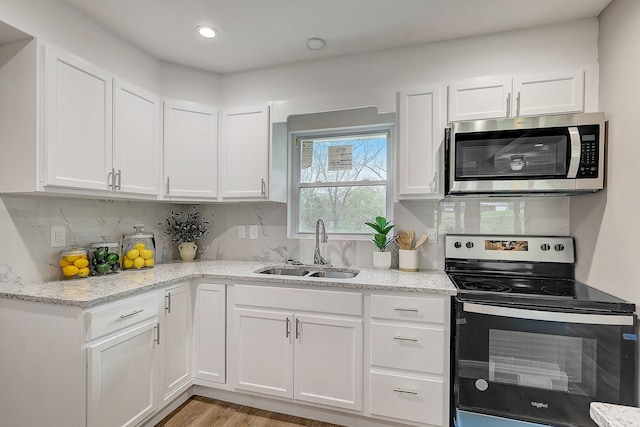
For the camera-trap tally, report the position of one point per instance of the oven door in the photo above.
(542, 366)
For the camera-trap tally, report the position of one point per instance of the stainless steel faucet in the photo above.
(317, 258)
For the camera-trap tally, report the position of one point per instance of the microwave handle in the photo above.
(574, 162)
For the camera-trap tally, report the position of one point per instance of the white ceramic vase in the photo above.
(187, 251)
(381, 260)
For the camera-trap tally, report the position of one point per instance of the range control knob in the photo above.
(457, 245)
(559, 247)
(545, 247)
(469, 245)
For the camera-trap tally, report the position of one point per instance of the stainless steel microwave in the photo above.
(526, 155)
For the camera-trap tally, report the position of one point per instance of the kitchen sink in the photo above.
(310, 271)
(285, 271)
(333, 274)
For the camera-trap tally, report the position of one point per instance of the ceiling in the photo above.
(262, 33)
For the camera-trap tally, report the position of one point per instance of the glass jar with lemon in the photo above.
(74, 263)
(138, 249)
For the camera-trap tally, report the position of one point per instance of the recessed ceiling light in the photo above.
(207, 31)
(315, 43)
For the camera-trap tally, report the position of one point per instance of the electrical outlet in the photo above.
(253, 232)
(242, 232)
(58, 237)
(432, 234)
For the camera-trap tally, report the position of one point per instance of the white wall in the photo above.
(189, 84)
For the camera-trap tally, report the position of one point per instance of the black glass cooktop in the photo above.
(536, 291)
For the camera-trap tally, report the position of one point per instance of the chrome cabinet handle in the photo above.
(167, 302)
(405, 339)
(405, 391)
(119, 175)
(263, 187)
(110, 180)
(157, 328)
(518, 105)
(412, 310)
(133, 313)
(509, 105)
(297, 328)
(288, 328)
(168, 192)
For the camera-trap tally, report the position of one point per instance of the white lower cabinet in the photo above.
(121, 377)
(409, 358)
(209, 332)
(285, 351)
(175, 339)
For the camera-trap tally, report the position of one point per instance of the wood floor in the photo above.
(203, 412)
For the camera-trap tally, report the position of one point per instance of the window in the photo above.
(342, 177)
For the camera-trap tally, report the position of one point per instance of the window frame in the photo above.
(295, 185)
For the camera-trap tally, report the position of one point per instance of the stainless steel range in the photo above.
(531, 343)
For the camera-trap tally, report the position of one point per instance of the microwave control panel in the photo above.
(589, 152)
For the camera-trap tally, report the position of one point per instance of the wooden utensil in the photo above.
(410, 236)
(403, 240)
(421, 240)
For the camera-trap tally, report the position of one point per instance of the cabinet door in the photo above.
(136, 135)
(190, 151)
(209, 332)
(176, 340)
(420, 133)
(561, 92)
(245, 154)
(328, 361)
(122, 377)
(483, 98)
(265, 351)
(78, 123)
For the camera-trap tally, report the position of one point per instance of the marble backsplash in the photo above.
(25, 221)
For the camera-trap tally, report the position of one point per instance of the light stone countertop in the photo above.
(609, 415)
(91, 291)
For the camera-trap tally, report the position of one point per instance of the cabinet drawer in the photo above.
(334, 302)
(419, 349)
(415, 309)
(406, 398)
(119, 315)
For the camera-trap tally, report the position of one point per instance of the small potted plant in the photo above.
(381, 227)
(186, 229)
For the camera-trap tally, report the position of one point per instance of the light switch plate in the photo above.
(242, 232)
(253, 232)
(58, 237)
(432, 234)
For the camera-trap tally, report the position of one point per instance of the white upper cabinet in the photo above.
(190, 151)
(78, 123)
(136, 137)
(499, 97)
(420, 135)
(549, 93)
(244, 165)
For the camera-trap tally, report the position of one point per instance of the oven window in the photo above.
(550, 362)
(512, 154)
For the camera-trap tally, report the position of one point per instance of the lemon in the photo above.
(64, 262)
(138, 262)
(133, 254)
(70, 270)
(146, 253)
(149, 262)
(81, 263)
(71, 258)
(83, 272)
(139, 246)
(127, 263)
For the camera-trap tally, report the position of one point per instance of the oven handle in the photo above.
(552, 316)
(576, 149)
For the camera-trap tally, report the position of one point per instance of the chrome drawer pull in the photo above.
(405, 339)
(402, 390)
(413, 310)
(133, 313)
